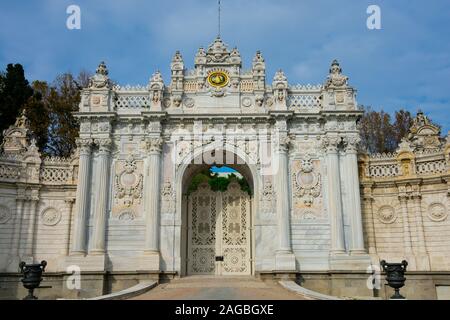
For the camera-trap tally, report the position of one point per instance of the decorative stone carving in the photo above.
(424, 135)
(129, 184)
(189, 103)
(167, 198)
(307, 183)
(336, 79)
(280, 86)
(268, 199)
(100, 80)
(437, 212)
(127, 215)
(247, 102)
(154, 144)
(50, 217)
(16, 137)
(387, 215)
(5, 214)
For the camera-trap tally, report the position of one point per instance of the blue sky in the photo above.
(406, 64)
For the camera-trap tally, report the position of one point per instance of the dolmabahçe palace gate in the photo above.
(121, 210)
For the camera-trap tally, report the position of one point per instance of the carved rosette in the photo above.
(51, 217)
(437, 212)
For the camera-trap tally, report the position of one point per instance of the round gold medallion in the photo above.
(218, 79)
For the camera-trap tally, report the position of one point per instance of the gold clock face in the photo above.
(218, 79)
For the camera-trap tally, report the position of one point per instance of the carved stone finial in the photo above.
(336, 78)
(100, 79)
(102, 69)
(16, 137)
(423, 134)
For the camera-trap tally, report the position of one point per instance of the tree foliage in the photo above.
(15, 91)
(217, 183)
(380, 133)
(49, 108)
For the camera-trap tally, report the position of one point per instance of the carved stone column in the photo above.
(100, 212)
(285, 259)
(283, 211)
(82, 204)
(334, 196)
(152, 194)
(354, 195)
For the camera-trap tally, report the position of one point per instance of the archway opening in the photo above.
(217, 220)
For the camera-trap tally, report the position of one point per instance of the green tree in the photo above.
(38, 113)
(15, 91)
(64, 100)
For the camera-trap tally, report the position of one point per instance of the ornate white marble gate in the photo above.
(219, 239)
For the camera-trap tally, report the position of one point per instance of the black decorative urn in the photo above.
(32, 277)
(395, 276)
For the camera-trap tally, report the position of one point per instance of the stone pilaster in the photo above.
(334, 196)
(69, 209)
(34, 200)
(15, 243)
(422, 258)
(152, 194)
(82, 204)
(100, 212)
(354, 196)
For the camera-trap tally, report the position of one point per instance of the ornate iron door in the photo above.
(235, 232)
(202, 216)
(219, 232)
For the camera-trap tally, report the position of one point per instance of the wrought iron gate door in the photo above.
(219, 231)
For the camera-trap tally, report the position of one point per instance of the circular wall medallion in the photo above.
(5, 214)
(386, 214)
(437, 212)
(189, 103)
(247, 102)
(50, 217)
(218, 79)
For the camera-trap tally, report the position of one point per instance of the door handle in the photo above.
(219, 259)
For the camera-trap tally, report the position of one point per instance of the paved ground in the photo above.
(208, 288)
